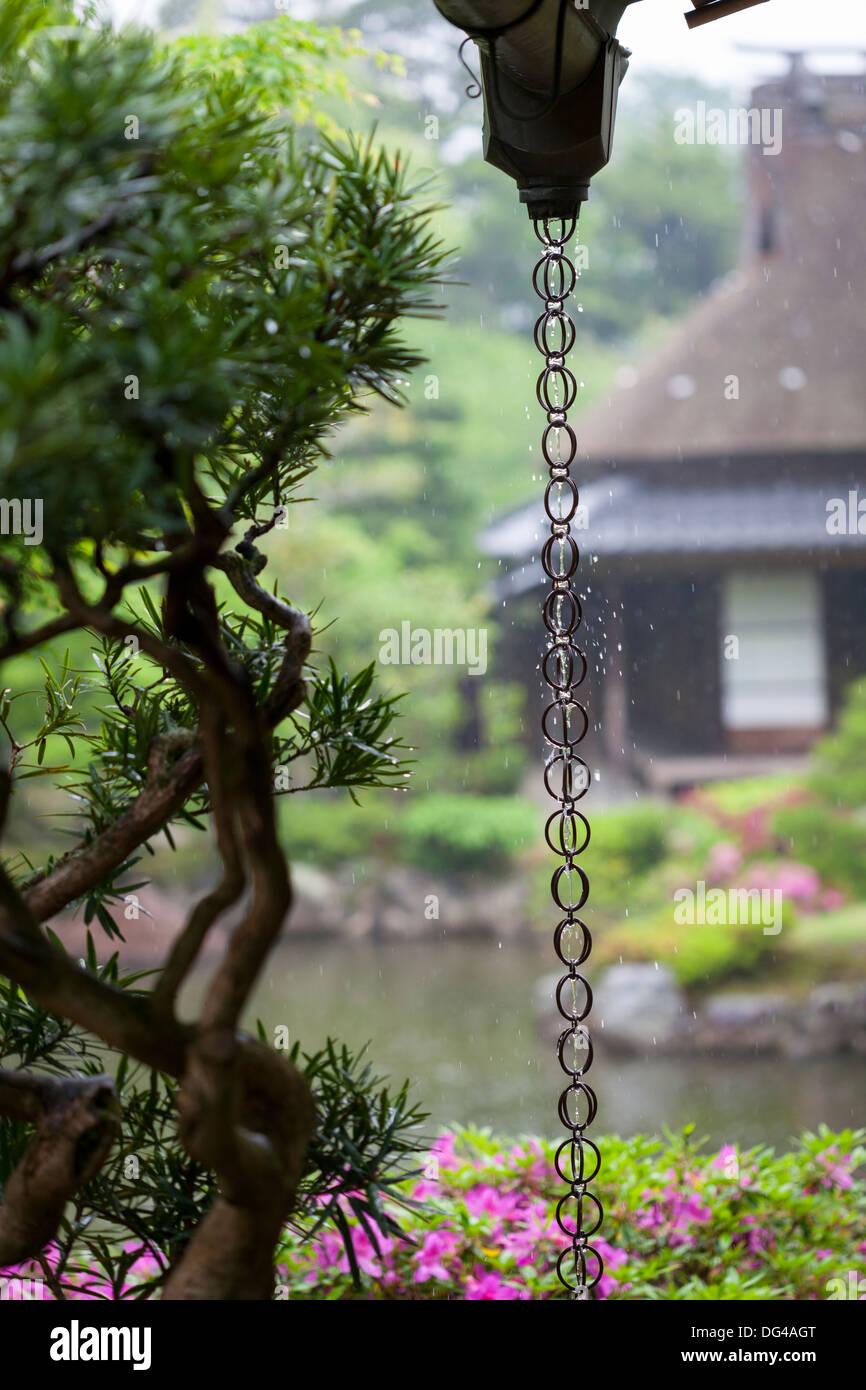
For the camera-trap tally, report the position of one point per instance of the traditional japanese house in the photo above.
(724, 482)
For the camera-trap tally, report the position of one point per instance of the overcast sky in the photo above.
(656, 32)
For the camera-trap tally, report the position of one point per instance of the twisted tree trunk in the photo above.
(244, 1112)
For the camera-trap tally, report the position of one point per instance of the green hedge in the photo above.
(441, 832)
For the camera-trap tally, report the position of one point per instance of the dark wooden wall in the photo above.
(845, 626)
(672, 655)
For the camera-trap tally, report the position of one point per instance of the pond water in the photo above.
(458, 1018)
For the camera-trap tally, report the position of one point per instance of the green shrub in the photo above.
(625, 846)
(691, 833)
(840, 759)
(441, 832)
(635, 837)
(831, 842)
(495, 771)
(698, 955)
(331, 829)
(744, 794)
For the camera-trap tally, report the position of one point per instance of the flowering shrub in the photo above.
(680, 1223)
(819, 842)
(53, 1277)
(483, 1229)
(749, 829)
(723, 861)
(797, 883)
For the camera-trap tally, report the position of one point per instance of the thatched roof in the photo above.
(789, 323)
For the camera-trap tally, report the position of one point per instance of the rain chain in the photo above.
(567, 778)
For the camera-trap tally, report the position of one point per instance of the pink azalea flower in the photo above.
(437, 1247)
(837, 1172)
(724, 860)
(443, 1150)
(723, 1157)
(758, 1239)
(330, 1251)
(423, 1191)
(490, 1287)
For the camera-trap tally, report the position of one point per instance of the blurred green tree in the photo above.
(663, 220)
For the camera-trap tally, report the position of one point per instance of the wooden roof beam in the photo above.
(708, 10)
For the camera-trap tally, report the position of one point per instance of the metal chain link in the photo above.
(567, 778)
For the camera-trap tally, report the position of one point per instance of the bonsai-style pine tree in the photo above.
(193, 297)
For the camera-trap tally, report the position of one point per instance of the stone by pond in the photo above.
(640, 1004)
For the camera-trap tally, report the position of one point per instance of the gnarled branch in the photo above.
(230, 1254)
(77, 1119)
